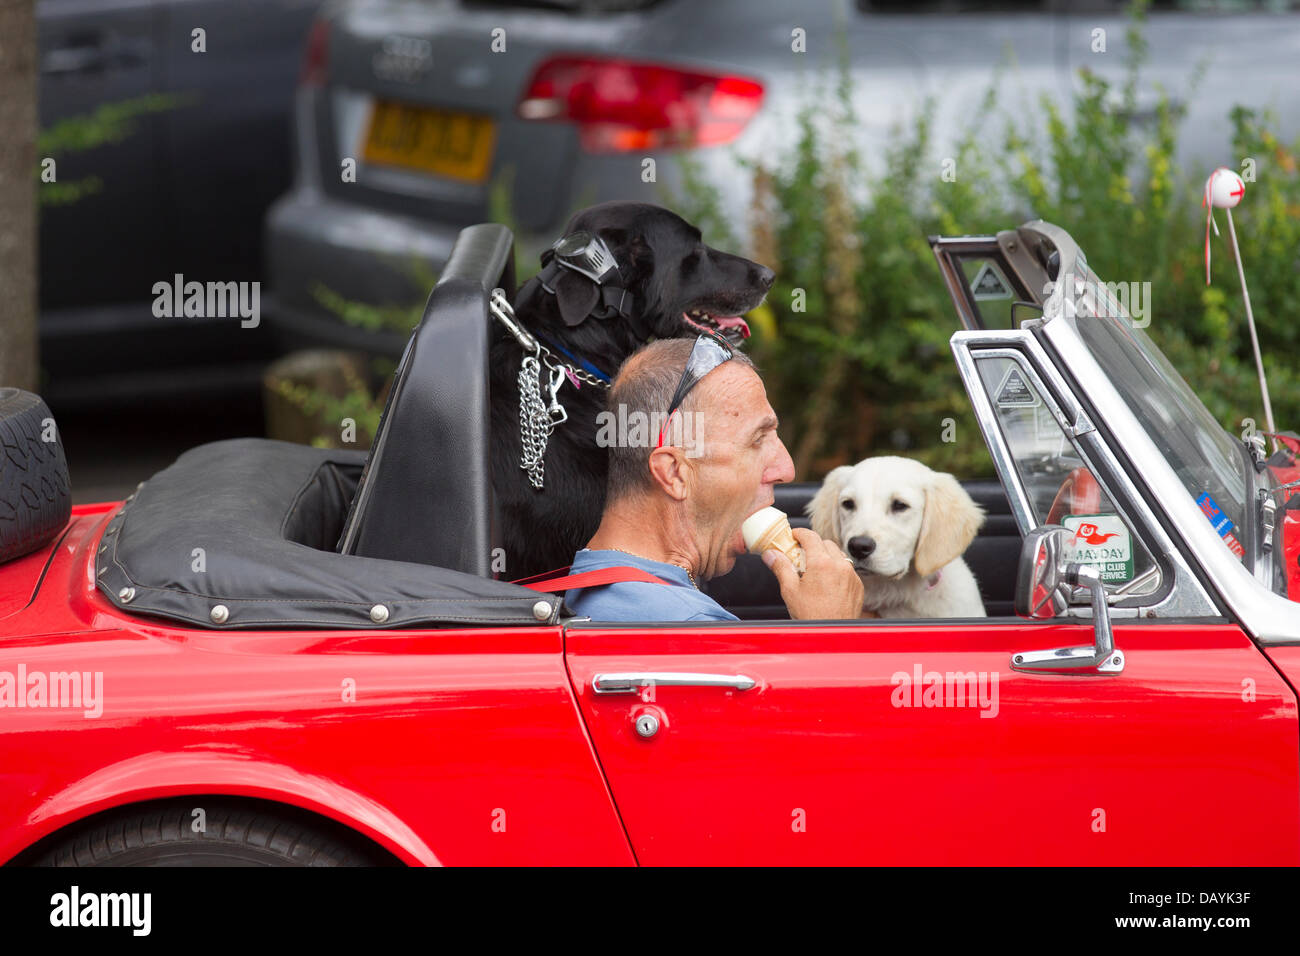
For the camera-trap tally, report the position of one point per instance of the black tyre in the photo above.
(35, 500)
(163, 834)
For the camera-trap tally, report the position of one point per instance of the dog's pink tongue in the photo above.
(731, 321)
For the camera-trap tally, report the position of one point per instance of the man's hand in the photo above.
(829, 589)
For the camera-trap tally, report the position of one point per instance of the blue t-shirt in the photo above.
(638, 600)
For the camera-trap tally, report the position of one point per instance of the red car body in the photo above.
(942, 741)
(488, 746)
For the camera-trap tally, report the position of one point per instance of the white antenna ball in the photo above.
(1224, 188)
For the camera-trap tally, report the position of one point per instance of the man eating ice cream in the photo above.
(676, 512)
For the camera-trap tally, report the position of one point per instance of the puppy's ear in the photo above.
(576, 296)
(949, 525)
(824, 509)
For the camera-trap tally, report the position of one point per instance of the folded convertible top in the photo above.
(240, 534)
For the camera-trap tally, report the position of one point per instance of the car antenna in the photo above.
(1224, 189)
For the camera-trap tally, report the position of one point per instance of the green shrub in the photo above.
(108, 123)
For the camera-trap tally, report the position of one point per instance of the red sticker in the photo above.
(1234, 545)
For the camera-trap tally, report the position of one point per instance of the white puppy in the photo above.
(905, 528)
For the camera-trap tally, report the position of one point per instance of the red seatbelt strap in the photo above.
(591, 579)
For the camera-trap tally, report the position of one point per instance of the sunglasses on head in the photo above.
(707, 354)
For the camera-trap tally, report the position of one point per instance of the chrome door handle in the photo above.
(630, 683)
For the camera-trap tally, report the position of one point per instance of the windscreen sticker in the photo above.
(987, 284)
(1103, 541)
(1221, 523)
(1014, 392)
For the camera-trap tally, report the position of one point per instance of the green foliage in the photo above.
(864, 368)
(366, 315)
(110, 123)
(358, 401)
(65, 194)
(382, 318)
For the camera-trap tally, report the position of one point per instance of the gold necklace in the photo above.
(689, 575)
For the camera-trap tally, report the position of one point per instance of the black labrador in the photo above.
(671, 285)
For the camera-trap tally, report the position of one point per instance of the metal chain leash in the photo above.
(537, 419)
(535, 422)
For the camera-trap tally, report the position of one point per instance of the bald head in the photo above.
(642, 392)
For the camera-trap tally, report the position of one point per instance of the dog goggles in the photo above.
(586, 254)
(707, 354)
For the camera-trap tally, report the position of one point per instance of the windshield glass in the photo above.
(1207, 460)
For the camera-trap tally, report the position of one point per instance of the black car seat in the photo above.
(425, 495)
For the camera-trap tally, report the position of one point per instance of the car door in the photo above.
(946, 742)
(915, 743)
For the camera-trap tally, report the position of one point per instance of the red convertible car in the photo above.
(199, 675)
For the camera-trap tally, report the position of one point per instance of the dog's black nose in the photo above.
(765, 277)
(861, 547)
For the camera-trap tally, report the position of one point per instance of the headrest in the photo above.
(426, 492)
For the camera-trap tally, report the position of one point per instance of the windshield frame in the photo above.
(1208, 459)
(1268, 616)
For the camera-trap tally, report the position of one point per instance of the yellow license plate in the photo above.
(442, 142)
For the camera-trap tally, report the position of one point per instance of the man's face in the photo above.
(743, 459)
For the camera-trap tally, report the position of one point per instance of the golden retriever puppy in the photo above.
(905, 529)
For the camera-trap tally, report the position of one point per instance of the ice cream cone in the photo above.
(770, 528)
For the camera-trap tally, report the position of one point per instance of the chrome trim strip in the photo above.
(961, 343)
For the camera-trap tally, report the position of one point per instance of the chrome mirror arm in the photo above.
(1101, 657)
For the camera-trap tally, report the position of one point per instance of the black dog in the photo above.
(669, 284)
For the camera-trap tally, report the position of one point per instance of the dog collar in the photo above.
(932, 581)
(581, 363)
(504, 313)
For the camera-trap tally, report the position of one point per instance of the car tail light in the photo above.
(622, 105)
(315, 58)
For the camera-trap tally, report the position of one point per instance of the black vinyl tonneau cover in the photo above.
(266, 515)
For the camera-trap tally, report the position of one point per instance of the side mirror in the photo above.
(1040, 592)
(1043, 583)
